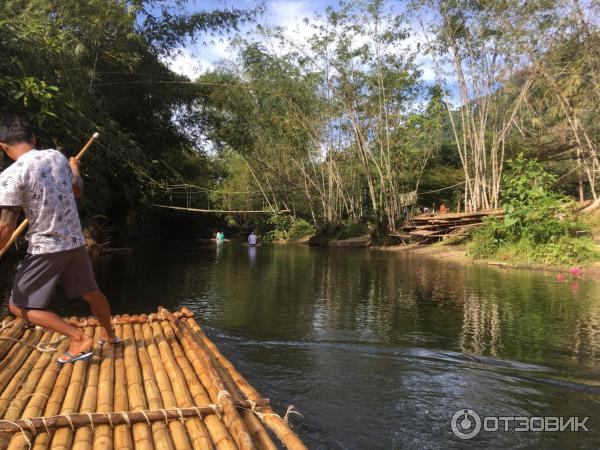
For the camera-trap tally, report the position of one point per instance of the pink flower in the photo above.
(576, 271)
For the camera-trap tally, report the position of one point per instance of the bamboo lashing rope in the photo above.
(44, 348)
(25, 222)
(76, 420)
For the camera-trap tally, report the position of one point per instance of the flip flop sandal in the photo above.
(117, 341)
(73, 358)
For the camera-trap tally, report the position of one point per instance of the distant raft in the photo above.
(166, 387)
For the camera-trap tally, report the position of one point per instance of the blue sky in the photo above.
(287, 13)
(195, 58)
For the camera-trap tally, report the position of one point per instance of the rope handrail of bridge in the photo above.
(224, 211)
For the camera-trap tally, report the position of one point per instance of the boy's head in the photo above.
(15, 133)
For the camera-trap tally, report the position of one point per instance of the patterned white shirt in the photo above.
(41, 182)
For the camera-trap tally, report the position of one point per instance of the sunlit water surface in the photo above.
(376, 349)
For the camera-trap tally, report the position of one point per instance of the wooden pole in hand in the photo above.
(24, 224)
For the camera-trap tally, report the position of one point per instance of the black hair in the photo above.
(15, 129)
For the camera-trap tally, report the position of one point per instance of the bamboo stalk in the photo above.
(103, 435)
(273, 421)
(215, 387)
(32, 407)
(196, 429)
(17, 356)
(160, 432)
(14, 332)
(83, 420)
(260, 436)
(142, 437)
(41, 379)
(47, 397)
(72, 382)
(22, 375)
(124, 320)
(122, 433)
(218, 431)
(84, 437)
(178, 432)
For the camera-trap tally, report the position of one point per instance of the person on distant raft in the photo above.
(444, 209)
(44, 184)
(252, 239)
(220, 237)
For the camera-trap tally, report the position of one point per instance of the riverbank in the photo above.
(458, 254)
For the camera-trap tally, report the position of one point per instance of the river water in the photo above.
(377, 349)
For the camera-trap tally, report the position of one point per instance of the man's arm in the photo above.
(77, 180)
(8, 223)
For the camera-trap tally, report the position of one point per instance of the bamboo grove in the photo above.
(376, 108)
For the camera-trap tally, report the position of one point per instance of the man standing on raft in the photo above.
(45, 185)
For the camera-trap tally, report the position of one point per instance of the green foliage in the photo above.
(300, 229)
(74, 67)
(352, 229)
(286, 228)
(537, 227)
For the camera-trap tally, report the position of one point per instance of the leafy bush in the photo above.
(286, 227)
(537, 226)
(300, 229)
(352, 229)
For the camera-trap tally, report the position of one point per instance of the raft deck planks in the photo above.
(167, 387)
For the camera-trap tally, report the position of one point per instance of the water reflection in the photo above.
(252, 254)
(394, 341)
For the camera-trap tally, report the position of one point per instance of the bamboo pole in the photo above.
(160, 432)
(199, 436)
(8, 394)
(273, 421)
(57, 394)
(117, 320)
(25, 222)
(65, 397)
(216, 388)
(37, 386)
(142, 436)
(33, 395)
(80, 420)
(178, 432)
(14, 333)
(260, 436)
(84, 437)
(12, 363)
(103, 435)
(15, 349)
(218, 431)
(122, 433)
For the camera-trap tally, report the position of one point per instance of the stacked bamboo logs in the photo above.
(166, 387)
(447, 227)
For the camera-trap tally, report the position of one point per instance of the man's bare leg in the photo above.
(79, 342)
(101, 309)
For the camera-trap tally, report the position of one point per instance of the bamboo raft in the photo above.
(166, 387)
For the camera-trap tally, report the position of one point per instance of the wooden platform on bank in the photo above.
(166, 387)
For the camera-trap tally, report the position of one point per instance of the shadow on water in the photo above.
(378, 350)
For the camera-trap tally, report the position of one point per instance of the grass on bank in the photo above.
(539, 227)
